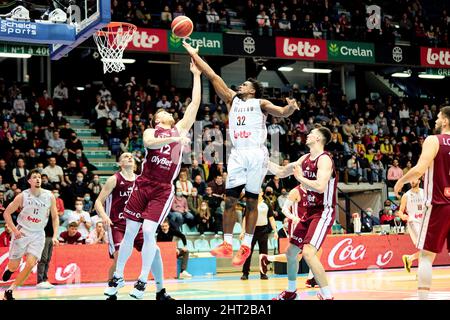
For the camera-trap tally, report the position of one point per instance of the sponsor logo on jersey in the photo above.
(161, 161)
(242, 134)
(34, 220)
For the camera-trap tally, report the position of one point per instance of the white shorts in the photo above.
(414, 230)
(247, 167)
(32, 243)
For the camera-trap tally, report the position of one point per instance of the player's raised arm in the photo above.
(324, 172)
(429, 150)
(284, 171)
(188, 120)
(103, 195)
(222, 90)
(401, 210)
(10, 209)
(277, 111)
(55, 220)
(152, 142)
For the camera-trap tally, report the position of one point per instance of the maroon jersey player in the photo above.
(434, 162)
(152, 193)
(109, 206)
(316, 173)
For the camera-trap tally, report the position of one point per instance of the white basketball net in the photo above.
(111, 43)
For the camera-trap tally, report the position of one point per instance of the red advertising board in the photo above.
(304, 49)
(154, 40)
(90, 263)
(359, 252)
(435, 57)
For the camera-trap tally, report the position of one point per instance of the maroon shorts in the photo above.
(313, 229)
(116, 234)
(435, 229)
(149, 201)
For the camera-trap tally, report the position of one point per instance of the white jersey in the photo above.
(415, 205)
(35, 210)
(247, 124)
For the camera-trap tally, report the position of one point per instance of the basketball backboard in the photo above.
(63, 25)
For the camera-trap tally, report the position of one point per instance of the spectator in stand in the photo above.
(53, 171)
(378, 170)
(276, 184)
(44, 101)
(45, 183)
(184, 184)
(180, 212)
(5, 237)
(166, 17)
(88, 204)
(60, 121)
(203, 218)
(163, 103)
(200, 185)
(82, 218)
(263, 23)
(212, 18)
(166, 234)
(78, 188)
(353, 169)
(95, 187)
(394, 173)
(284, 25)
(218, 187)
(200, 19)
(71, 236)
(31, 159)
(73, 144)
(19, 173)
(56, 143)
(194, 201)
(60, 96)
(368, 220)
(178, 12)
(98, 235)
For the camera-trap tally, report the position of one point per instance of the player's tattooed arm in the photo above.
(277, 111)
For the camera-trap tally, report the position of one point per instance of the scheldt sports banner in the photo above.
(208, 43)
(353, 252)
(248, 45)
(154, 40)
(351, 51)
(435, 57)
(90, 263)
(302, 49)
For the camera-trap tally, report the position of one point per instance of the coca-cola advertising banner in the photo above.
(435, 57)
(154, 40)
(302, 49)
(90, 263)
(359, 252)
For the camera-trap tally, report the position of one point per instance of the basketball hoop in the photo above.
(111, 42)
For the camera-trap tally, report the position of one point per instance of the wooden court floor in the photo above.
(394, 284)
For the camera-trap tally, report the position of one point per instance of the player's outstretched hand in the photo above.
(55, 241)
(107, 221)
(194, 69)
(192, 51)
(292, 103)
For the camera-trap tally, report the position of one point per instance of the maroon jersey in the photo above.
(162, 165)
(328, 197)
(437, 176)
(299, 208)
(117, 199)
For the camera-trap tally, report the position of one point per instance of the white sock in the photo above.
(247, 240)
(326, 292)
(310, 274)
(228, 238)
(423, 294)
(148, 248)
(271, 258)
(126, 246)
(292, 285)
(157, 270)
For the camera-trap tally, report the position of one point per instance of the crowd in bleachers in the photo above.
(410, 20)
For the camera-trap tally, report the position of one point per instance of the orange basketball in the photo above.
(182, 26)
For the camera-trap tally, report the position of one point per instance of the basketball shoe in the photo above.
(162, 295)
(311, 283)
(242, 255)
(224, 250)
(407, 263)
(263, 263)
(8, 295)
(113, 286)
(287, 295)
(7, 275)
(139, 289)
(321, 297)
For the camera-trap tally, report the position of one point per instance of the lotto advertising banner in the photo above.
(397, 55)
(351, 52)
(301, 49)
(207, 42)
(90, 263)
(353, 252)
(250, 45)
(154, 40)
(435, 57)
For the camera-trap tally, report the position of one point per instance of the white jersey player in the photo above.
(28, 237)
(412, 209)
(248, 161)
